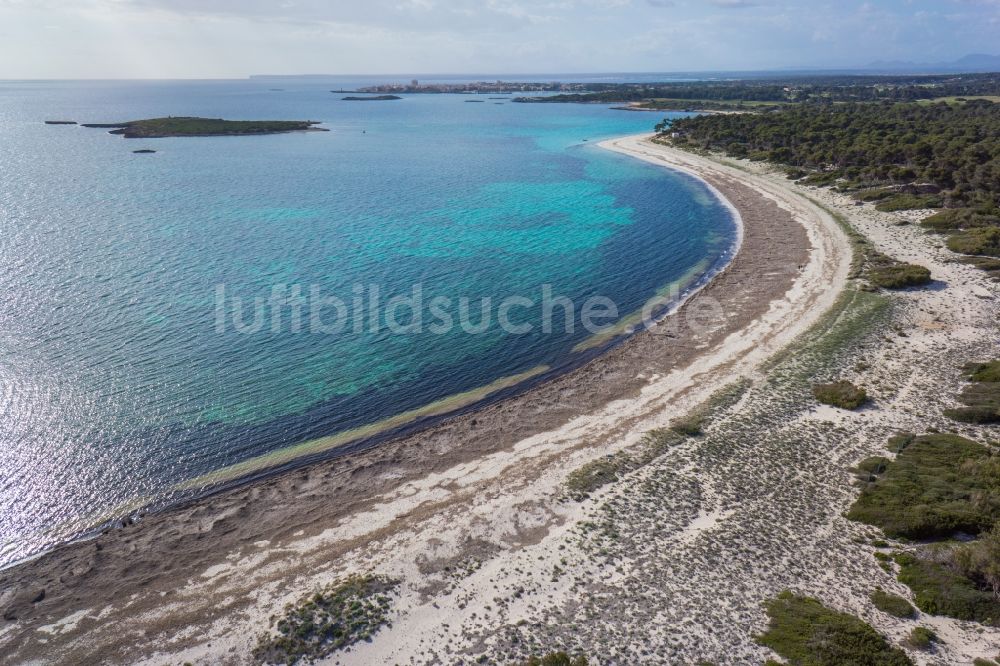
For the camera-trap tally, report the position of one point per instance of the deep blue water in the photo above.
(117, 381)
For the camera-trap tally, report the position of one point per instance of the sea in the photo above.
(209, 312)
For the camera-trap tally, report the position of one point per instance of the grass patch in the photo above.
(884, 271)
(335, 617)
(893, 604)
(691, 425)
(599, 473)
(908, 202)
(868, 469)
(873, 194)
(936, 486)
(921, 638)
(940, 589)
(841, 394)
(981, 398)
(899, 276)
(983, 372)
(955, 219)
(807, 633)
(974, 415)
(980, 242)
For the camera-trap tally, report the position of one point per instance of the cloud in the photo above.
(732, 4)
(409, 15)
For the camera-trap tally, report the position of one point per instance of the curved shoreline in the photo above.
(363, 438)
(502, 388)
(312, 519)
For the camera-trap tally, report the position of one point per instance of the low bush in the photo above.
(940, 589)
(335, 617)
(691, 425)
(990, 265)
(984, 242)
(908, 202)
(981, 398)
(807, 633)
(873, 194)
(888, 273)
(893, 604)
(937, 485)
(921, 638)
(841, 394)
(899, 276)
(869, 468)
(955, 219)
(597, 474)
(980, 561)
(821, 178)
(983, 372)
(974, 415)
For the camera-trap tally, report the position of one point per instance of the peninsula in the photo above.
(158, 128)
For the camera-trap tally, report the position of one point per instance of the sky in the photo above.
(236, 38)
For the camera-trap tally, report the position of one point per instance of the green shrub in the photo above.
(989, 264)
(597, 474)
(900, 441)
(899, 276)
(983, 372)
(954, 219)
(974, 415)
(841, 394)
(807, 633)
(873, 194)
(939, 589)
(888, 273)
(691, 425)
(980, 561)
(908, 202)
(936, 486)
(335, 617)
(893, 604)
(984, 241)
(981, 398)
(821, 178)
(869, 468)
(922, 638)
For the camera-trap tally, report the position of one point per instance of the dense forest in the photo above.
(899, 155)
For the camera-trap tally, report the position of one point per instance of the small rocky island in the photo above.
(371, 98)
(158, 128)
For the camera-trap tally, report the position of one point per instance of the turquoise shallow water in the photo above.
(117, 381)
